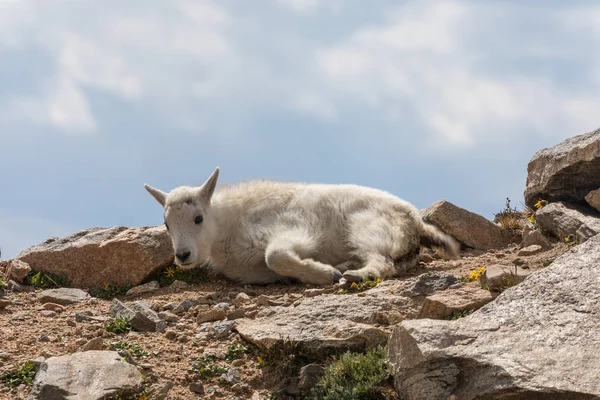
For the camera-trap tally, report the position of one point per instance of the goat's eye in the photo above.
(198, 219)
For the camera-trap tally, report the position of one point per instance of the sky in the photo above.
(428, 100)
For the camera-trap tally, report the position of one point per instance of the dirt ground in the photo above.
(26, 333)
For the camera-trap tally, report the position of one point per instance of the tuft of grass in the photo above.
(110, 290)
(547, 262)
(173, 272)
(360, 286)
(43, 280)
(2, 283)
(235, 351)
(24, 375)
(134, 348)
(207, 367)
(117, 325)
(509, 218)
(356, 376)
(458, 314)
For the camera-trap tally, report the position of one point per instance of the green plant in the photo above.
(117, 325)
(456, 314)
(134, 348)
(2, 283)
(547, 262)
(360, 286)
(355, 376)
(109, 290)
(42, 279)
(235, 351)
(24, 375)
(207, 366)
(172, 273)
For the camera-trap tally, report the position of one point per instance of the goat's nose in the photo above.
(183, 256)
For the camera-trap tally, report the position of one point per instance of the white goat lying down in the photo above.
(261, 232)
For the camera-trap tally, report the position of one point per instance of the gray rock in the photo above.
(443, 303)
(232, 376)
(63, 296)
(309, 376)
(145, 288)
(537, 340)
(94, 256)
(563, 220)
(186, 304)
(212, 314)
(593, 199)
(530, 250)
(565, 172)
(222, 306)
(343, 321)
(533, 237)
(236, 314)
(89, 375)
(161, 390)
(221, 329)
(499, 277)
(168, 316)
(197, 387)
(48, 313)
(139, 314)
(17, 287)
(94, 344)
(469, 228)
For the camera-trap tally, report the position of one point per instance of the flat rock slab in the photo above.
(537, 340)
(64, 296)
(467, 227)
(565, 172)
(593, 199)
(88, 375)
(498, 277)
(563, 220)
(466, 298)
(93, 257)
(343, 321)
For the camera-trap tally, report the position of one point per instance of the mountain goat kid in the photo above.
(262, 232)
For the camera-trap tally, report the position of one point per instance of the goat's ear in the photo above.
(159, 195)
(208, 188)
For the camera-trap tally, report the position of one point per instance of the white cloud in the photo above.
(69, 109)
(312, 6)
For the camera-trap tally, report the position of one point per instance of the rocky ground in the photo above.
(201, 320)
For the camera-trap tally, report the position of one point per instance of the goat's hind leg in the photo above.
(288, 254)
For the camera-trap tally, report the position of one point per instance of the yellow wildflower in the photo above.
(260, 360)
(531, 218)
(105, 286)
(567, 239)
(538, 204)
(169, 272)
(354, 285)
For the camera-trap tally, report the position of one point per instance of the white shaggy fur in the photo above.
(262, 231)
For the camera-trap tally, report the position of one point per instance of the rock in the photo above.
(530, 250)
(178, 285)
(4, 303)
(88, 375)
(504, 349)
(17, 270)
(171, 334)
(54, 307)
(2, 292)
(145, 288)
(499, 277)
(48, 313)
(44, 338)
(469, 228)
(443, 303)
(221, 329)
(63, 296)
(241, 299)
(94, 344)
(161, 390)
(197, 387)
(168, 316)
(210, 315)
(186, 305)
(16, 287)
(222, 306)
(94, 256)
(314, 292)
(309, 376)
(565, 172)
(342, 321)
(236, 314)
(232, 376)
(139, 314)
(593, 199)
(533, 237)
(562, 220)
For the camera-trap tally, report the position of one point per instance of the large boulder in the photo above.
(95, 256)
(88, 375)
(469, 228)
(593, 199)
(565, 172)
(563, 220)
(537, 340)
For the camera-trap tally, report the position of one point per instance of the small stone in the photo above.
(314, 292)
(232, 376)
(54, 307)
(38, 360)
(70, 322)
(222, 306)
(169, 306)
(161, 390)
(236, 314)
(179, 310)
(48, 313)
(64, 296)
(17, 270)
(168, 316)
(186, 304)
(145, 288)
(210, 315)
(4, 303)
(94, 344)
(309, 376)
(16, 287)
(4, 356)
(241, 298)
(499, 277)
(170, 334)
(264, 300)
(80, 341)
(530, 250)
(197, 387)
(81, 316)
(238, 363)
(221, 329)
(178, 285)
(44, 338)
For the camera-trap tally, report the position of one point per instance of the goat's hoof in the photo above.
(353, 276)
(337, 275)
